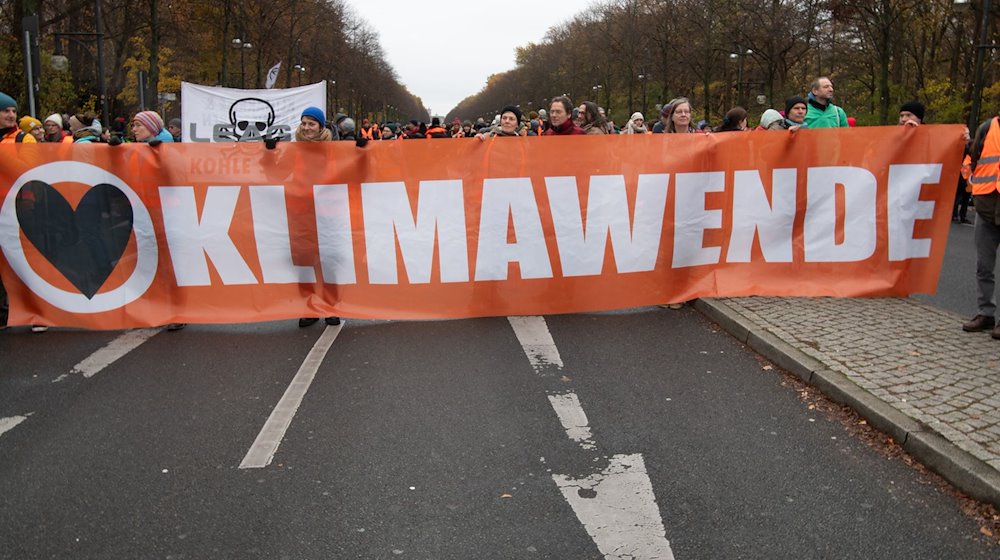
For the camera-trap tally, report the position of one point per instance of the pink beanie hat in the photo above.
(151, 120)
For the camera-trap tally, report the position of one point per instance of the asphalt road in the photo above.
(446, 440)
(957, 283)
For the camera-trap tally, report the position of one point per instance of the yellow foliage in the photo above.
(168, 81)
(943, 102)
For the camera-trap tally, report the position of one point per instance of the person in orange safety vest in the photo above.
(369, 131)
(984, 163)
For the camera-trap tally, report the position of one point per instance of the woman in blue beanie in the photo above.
(312, 128)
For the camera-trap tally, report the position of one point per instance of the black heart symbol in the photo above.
(84, 244)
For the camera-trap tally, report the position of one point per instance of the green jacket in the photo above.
(830, 116)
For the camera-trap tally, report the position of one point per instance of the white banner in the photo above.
(216, 114)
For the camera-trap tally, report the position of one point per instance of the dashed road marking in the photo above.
(112, 352)
(266, 445)
(9, 423)
(535, 339)
(573, 418)
(618, 509)
(616, 506)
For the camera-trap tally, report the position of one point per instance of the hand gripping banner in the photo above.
(111, 237)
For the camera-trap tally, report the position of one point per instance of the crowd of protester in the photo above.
(561, 117)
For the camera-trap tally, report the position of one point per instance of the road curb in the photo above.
(971, 475)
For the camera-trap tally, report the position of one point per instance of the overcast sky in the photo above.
(443, 50)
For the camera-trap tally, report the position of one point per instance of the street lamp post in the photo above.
(739, 55)
(643, 78)
(300, 70)
(981, 47)
(243, 46)
(98, 36)
(99, 29)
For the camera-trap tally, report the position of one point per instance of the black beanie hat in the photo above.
(915, 107)
(793, 101)
(512, 109)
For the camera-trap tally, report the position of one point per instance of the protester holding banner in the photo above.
(678, 116)
(54, 132)
(510, 118)
(147, 126)
(821, 112)
(9, 131)
(591, 120)
(636, 124)
(86, 128)
(734, 121)
(911, 113)
(312, 129)
(32, 126)
(559, 117)
(795, 112)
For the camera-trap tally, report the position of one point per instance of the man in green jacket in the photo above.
(821, 112)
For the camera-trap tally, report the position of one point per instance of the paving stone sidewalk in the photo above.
(904, 365)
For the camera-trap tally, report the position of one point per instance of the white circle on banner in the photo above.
(75, 302)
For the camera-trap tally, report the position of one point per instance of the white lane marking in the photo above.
(616, 506)
(573, 418)
(538, 346)
(112, 352)
(270, 436)
(618, 509)
(536, 341)
(8, 424)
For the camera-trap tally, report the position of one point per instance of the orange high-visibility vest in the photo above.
(17, 135)
(985, 176)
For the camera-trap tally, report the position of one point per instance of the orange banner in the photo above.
(110, 237)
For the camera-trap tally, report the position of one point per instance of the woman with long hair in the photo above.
(591, 120)
(678, 116)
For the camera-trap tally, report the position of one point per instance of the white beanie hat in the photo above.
(769, 117)
(56, 118)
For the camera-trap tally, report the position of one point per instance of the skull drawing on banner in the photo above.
(251, 118)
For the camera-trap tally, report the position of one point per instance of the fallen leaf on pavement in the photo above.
(506, 496)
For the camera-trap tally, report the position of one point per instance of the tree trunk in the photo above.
(152, 92)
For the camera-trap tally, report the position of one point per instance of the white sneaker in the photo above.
(38, 328)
